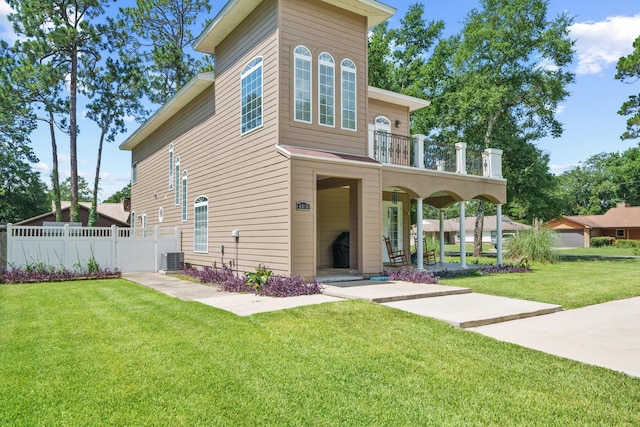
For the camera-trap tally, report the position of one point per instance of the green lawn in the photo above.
(603, 251)
(571, 284)
(114, 353)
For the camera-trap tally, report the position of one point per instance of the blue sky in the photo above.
(603, 30)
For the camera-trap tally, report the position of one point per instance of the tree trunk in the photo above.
(93, 214)
(55, 177)
(477, 232)
(74, 211)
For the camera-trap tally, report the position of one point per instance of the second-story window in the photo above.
(184, 196)
(177, 178)
(326, 89)
(170, 166)
(348, 85)
(302, 84)
(251, 95)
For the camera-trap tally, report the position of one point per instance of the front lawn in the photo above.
(601, 251)
(114, 353)
(571, 284)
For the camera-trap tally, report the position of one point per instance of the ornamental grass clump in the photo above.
(536, 244)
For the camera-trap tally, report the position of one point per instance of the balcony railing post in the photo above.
(461, 157)
(371, 152)
(492, 163)
(418, 151)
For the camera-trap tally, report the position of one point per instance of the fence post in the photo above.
(461, 157)
(418, 152)
(67, 249)
(114, 248)
(9, 245)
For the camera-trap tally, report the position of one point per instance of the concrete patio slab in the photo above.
(469, 310)
(606, 335)
(247, 304)
(386, 291)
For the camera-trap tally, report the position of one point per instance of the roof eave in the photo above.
(397, 98)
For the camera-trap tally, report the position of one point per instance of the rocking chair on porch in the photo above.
(396, 258)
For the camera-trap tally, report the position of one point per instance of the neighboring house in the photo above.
(286, 146)
(621, 222)
(431, 228)
(108, 214)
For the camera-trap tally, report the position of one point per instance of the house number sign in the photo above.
(303, 206)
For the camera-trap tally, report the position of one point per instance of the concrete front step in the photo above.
(382, 292)
(471, 310)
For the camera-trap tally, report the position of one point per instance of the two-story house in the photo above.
(286, 146)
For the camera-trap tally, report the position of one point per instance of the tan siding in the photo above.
(333, 219)
(322, 28)
(391, 111)
(244, 177)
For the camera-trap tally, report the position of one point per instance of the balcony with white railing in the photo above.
(418, 152)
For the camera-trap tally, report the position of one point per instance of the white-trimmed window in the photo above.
(348, 91)
(302, 84)
(176, 175)
(326, 90)
(201, 224)
(132, 220)
(620, 233)
(252, 95)
(134, 172)
(160, 214)
(170, 166)
(184, 196)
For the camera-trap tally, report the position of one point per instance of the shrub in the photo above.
(275, 285)
(536, 244)
(626, 243)
(413, 276)
(598, 242)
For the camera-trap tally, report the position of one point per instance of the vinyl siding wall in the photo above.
(244, 178)
(322, 28)
(391, 111)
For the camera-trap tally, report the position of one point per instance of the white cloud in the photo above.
(63, 158)
(6, 27)
(43, 168)
(560, 109)
(600, 44)
(560, 169)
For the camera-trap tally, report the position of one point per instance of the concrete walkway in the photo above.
(606, 335)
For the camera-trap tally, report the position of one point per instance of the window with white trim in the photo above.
(170, 166)
(326, 90)
(160, 214)
(348, 91)
(184, 196)
(132, 220)
(302, 84)
(251, 95)
(176, 175)
(134, 172)
(201, 224)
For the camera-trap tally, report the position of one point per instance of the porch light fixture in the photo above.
(397, 123)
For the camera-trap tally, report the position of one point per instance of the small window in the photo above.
(326, 90)
(184, 196)
(160, 214)
(620, 233)
(201, 224)
(134, 172)
(348, 84)
(170, 166)
(252, 95)
(302, 84)
(132, 220)
(177, 179)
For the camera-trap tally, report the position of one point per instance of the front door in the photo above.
(391, 226)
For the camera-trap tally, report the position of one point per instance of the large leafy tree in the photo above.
(117, 197)
(162, 36)
(64, 35)
(628, 70)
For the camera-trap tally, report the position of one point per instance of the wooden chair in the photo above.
(396, 258)
(429, 256)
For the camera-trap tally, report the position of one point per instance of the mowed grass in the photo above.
(571, 284)
(114, 353)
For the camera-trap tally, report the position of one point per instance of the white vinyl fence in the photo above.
(116, 248)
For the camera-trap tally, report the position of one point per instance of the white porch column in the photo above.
(419, 236)
(463, 237)
(492, 163)
(461, 157)
(371, 132)
(419, 151)
(441, 219)
(499, 233)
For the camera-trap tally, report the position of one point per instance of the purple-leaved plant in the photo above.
(51, 274)
(413, 276)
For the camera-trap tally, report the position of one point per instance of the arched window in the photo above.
(348, 85)
(201, 224)
(170, 166)
(383, 123)
(383, 146)
(326, 90)
(176, 174)
(302, 84)
(184, 196)
(252, 95)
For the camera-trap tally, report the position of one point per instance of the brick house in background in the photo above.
(286, 146)
(621, 222)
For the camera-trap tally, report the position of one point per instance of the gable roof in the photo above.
(235, 11)
(622, 216)
(112, 212)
